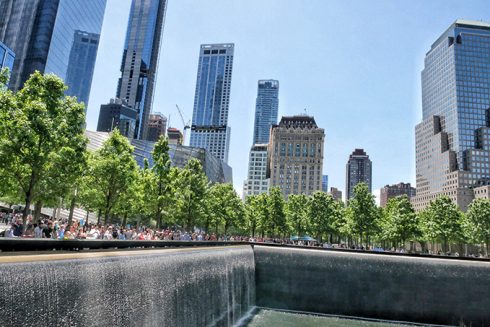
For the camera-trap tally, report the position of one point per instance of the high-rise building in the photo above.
(81, 64)
(175, 136)
(210, 128)
(325, 183)
(257, 181)
(42, 33)
(358, 170)
(117, 114)
(157, 125)
(453, 139)
(7, 57)
(295, 162)
(391, 191)
(266, 107)
(335, 193)
(140, 59)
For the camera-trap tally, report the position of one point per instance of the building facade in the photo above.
(42, 34)
(335, 193)
(81, 65)
(325, 183)
(257, 181)
(358, 170)
(295, 163)
(117, 114)
(266, 108)
(391, 191)
(216, 170)
(175, 136)
(453, 140)
(7, 57)
(157, 126)
(210, 128)
(140, 59)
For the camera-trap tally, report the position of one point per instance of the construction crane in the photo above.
(186, 126)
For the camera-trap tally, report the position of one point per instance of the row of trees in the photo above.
(362, 223)
(44, 162)
(44, 158)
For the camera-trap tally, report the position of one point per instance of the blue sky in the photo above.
(354, 64)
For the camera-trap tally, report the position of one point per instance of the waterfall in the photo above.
(185, 287)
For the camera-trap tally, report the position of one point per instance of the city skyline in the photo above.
(324, 81)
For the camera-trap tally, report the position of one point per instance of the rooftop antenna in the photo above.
(306, 112)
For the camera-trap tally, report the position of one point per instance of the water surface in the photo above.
(267, 318)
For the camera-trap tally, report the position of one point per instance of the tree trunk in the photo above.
(99, 213)
(37, 211)
(159, 217)
(106, 217)
(125, 220)
(26, 211)
(72, 209)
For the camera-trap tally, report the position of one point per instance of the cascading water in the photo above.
(191, 287)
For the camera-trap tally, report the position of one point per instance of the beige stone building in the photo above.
(295, 161)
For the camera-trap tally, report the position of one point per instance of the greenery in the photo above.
(45, 162)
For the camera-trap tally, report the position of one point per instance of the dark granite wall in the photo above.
(438, 291)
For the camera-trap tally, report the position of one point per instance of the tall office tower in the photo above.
(42, 34)
(157, 126)
(117, 114)
(210, 128)
(391, 191)
(140, 59)
(453, 140)
(257, 181)
(295, 162)
(7, 57)
(81, 64)
(266, 107)
(325, 183)
(358, 169)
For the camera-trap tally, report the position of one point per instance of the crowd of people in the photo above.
(62, 230)
(49, 228)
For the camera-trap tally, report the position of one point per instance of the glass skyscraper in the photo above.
(7, 57)
(42, 34)
(210, 128)
(81, 64)
(266, 107)
(452, 141)
(140, 59)
(358, 170)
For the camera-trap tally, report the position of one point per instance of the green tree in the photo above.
(191, 186)
(324, 213)
(441, 221)
(225, 207)
(276, 224)
(41, 136)
(476, 223)
(113, 170)
(297, 214)
(362, 214)
(253, 213)
(161, 172)
(399, 221)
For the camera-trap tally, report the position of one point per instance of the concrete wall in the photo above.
(437, 291)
